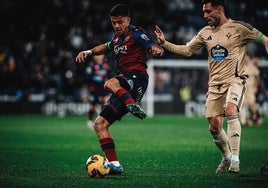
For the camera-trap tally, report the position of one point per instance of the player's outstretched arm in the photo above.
(97, 50)
(178, 49)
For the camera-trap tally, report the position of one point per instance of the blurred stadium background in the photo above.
(40, 39)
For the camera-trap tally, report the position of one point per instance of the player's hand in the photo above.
(159, 35)
(156, 50)
(81, 57)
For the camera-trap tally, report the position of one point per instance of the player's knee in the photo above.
(111, 84)
(231, 110)
(100, 124)
(107, 84)
(215, 124)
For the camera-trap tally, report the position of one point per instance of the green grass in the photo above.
(164, 151)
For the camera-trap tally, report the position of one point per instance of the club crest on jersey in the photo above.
(218, 53)
(228, 35)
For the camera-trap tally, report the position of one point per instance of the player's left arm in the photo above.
(143, 39)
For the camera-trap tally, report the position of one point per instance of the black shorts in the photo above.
(136, 83)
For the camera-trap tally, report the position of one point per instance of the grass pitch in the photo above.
(164, 151)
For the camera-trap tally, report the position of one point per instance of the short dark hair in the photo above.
(215, 2)
(119, 10)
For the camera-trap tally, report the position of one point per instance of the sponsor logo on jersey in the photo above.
(218, 53)
(120, 49)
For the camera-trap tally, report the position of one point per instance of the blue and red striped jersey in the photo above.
(131, 50)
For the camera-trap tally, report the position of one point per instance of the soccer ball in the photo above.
(97, 166)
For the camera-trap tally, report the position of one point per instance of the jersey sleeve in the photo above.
(187, 50)
(251, 34)
(196, 43)
(142, 38)
(109, 45)
(247, 32)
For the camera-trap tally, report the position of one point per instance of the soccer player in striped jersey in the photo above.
(130, 45)
(226, 42)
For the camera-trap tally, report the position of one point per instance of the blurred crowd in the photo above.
(40, 39)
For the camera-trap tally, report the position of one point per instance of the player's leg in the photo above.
(138, 84)
(120, 89)
(107, 144)
(215, 115)
(234, 100)
(234, 135)
(220, 138)
(121, 86)
(113, 110)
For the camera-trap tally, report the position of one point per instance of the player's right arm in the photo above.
(186, 50)
(97, 50)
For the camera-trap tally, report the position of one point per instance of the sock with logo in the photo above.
(234, 134)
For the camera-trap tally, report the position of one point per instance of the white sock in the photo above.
(115, 163)
(234, 134)
(235, 158)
